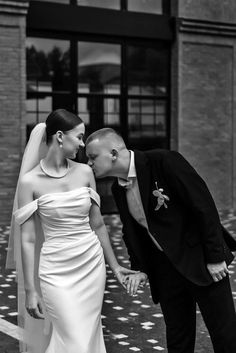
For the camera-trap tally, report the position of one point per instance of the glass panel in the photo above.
(48, 65)
(148, 6)
(83, 110)
(99, 110)
(99, 68)
(37, 109)
(91, 110)
(146, 118)
(107, 4)
(147, 71)
(58, 1)
(111, 111)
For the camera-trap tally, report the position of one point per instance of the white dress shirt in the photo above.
(133, 197)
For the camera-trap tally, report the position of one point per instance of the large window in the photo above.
(119, 85)
(106, 60)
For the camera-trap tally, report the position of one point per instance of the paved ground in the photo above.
(130, 324)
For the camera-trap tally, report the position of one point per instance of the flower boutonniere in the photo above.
(161, 198)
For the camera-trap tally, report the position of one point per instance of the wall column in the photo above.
(12, 98)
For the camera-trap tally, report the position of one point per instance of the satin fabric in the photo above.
(71, 272)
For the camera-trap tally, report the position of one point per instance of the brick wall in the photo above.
(12, 99)
(223, 11)
(203, 108)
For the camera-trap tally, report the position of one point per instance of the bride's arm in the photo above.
(33, 304)
(97, 224)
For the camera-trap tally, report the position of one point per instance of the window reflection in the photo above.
(92, 109)
(38, 109)
(107, 4)
(58, 1)
(48, 65)
(111, 111)
(148, 6)
(83, 110)
(146, 118)
(99, 68)
(147, 71)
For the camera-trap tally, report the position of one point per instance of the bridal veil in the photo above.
(34, 333)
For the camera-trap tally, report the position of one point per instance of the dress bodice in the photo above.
(61, 213)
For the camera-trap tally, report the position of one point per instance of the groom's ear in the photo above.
(114, 154)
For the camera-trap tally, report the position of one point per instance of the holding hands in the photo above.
(122, 273)
(130, 280)
(134, 282)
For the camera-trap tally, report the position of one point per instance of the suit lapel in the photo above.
(143, 177)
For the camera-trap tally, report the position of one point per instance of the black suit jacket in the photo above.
(188, 230)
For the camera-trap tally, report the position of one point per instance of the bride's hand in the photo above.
(33, 305)
(135, 282)
(122, 273)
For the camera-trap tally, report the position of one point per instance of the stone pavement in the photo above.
(130, 324)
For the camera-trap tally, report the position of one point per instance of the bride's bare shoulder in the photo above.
(30, 178)
(81, 167)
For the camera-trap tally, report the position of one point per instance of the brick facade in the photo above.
(12, 99)
(203, 93)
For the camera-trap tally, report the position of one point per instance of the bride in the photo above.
(60, 263)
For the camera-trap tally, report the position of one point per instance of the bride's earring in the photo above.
(59, 138)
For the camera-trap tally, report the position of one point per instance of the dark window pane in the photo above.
(146, 118)
(147, 71)
(58, 1)
(99, 68)
(148, 6)
(48, 65)
(107, 4)
(91, 111)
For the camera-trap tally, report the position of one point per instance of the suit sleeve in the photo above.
(191, 190)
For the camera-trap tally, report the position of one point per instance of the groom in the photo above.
(174, 237)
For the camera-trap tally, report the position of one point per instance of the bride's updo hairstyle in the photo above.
(60, 120)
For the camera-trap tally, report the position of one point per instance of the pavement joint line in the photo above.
(10, 329)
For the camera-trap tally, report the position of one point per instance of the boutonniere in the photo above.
(161, 198)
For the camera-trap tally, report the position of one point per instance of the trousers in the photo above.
(179, 298)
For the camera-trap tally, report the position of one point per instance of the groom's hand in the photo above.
(135, 281)
(218, 271)
(122, 273)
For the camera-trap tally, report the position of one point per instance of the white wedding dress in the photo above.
(71, 271)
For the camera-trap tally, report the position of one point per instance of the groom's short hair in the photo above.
(104, 133)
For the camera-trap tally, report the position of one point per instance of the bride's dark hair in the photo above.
(60, 119)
